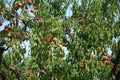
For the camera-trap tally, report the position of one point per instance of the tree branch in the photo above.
(14, 70)
(1, 52)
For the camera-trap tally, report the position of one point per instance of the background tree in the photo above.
(41, 43)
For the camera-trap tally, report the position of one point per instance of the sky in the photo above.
(69, 11)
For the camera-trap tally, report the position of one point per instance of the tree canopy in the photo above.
(39, 40)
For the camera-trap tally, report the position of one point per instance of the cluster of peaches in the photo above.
(48, 40)
(106, 59)
(23, 3)
(32, 10)
(8, 30)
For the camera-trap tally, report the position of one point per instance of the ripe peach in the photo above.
(42, 71)
(47, 40)
(7, 30)
(23, 3)
(32, 10)
(108, 62)
(37, 18)
(30, 2)
(54, 39)
(104, 58)
(26, 37)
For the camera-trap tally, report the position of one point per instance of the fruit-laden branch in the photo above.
(114, 72)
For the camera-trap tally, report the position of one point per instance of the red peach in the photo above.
(26, 37)
(30, 2)
(108, 62)
(42, 71)
(47, 40)
(54, 39)
(32, 10)
(23, 3)
(104, 58)
(37, 18)
(7, 30)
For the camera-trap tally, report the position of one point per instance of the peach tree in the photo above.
(59, 39)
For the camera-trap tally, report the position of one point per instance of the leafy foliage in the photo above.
(41, 43)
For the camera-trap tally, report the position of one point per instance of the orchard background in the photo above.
(59, 39)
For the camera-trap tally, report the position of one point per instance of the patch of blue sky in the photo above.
(26, 44)
(8, 3)
(69, 11)
(4, 23)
